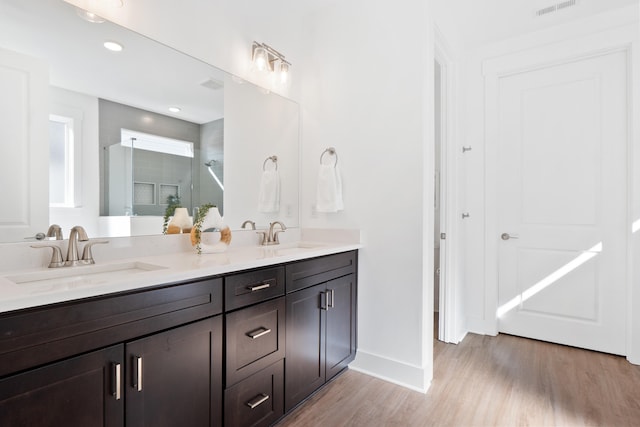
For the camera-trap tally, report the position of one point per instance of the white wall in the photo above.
(366, 90)
(363, 71)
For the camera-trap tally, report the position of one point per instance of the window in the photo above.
(61, 161)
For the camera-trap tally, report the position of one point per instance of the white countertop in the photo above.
(166, 268)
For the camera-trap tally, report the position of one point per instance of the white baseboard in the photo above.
(393, 371)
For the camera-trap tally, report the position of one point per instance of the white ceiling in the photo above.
(137, 76)
(478, 22)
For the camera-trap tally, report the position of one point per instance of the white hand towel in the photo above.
(329, 190)
(269, 198)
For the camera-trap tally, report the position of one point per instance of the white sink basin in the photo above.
(81, 276)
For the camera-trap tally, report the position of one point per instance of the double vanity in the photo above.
(235, 339)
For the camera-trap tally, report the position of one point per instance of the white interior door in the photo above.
(24, 138)
(562, 138)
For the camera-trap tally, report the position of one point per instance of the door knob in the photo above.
(507, 236)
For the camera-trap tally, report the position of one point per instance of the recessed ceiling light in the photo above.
(175, 109)
(113, 46)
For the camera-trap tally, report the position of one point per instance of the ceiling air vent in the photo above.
(212, 84)
(556, 7)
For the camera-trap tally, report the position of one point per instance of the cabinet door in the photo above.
(174, 378)
(76, 392)
(341, 324)
(305, 344)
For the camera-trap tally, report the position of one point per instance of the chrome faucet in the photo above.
(273, 235)
(76, 234)
(55, 231)
(249, 222)
(270, 237)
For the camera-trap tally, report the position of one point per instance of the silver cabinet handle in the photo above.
(259, 287)
(330, 296)
(137, 373)
(257, 401)
(507, 236)
(324, 299)
(117, 385)
(258, 333)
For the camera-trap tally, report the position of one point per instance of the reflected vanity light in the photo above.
(264, 59)
(95, 18)
(113, 46)
(175, 109)
(90, 16)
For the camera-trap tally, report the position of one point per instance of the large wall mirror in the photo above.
(111, 138)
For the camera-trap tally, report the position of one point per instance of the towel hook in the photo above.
(274, 159)
(332, 152)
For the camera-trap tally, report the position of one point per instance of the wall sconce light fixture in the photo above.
(265, 58)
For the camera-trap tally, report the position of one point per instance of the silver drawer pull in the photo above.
(137, 373)
(258, 333)
(117, 381)
(259, 287)
(257, 401)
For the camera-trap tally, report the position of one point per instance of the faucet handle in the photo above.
(264, 236)
(87, 256)
(56, 257)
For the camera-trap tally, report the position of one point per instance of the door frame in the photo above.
(447, 309)
(622, 38)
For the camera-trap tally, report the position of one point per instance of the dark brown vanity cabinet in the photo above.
(172, 355)
(158, 368)
(79, 391)
(255, 347)
(321, 315)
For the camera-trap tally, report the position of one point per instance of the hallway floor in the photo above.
(488, 381)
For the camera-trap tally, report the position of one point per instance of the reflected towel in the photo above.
(329, 191)
(269, 198)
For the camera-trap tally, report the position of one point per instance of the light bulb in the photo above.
(260, 59)
(284, 72)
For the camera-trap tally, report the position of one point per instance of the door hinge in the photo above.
(443, 236)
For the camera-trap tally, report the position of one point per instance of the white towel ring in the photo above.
(332, 152)
(274, 159)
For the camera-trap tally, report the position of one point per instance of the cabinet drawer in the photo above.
(40, 335)
(252, 287)
(303, 274)
(256, 401)
(255, 339)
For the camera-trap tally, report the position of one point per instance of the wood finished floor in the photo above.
(488, 381)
